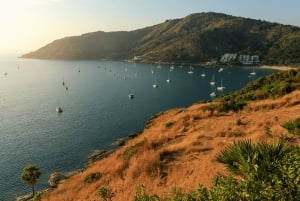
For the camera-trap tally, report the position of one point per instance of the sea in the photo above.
(97, 110)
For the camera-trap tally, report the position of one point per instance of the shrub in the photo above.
(268, 131)
(238, 122)
(105, 193)
(130, 151)
(293, 126)
(92, 177)
(169, 124)
(142, 195)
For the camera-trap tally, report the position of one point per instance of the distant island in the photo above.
(200, 37)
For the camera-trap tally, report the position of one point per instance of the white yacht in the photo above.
(131, 95)
(191, 70)
(58, 109)
(168, 80)
(253, 72)
(212, 82)
(221, 88)
(203, 73)
(213, 94)
(154, 84)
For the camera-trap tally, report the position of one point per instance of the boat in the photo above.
(168, 80)
(220, 70)
(66, 88)
(152, 71)
(154, 84)
(221, 88)
(213, 93)
(131, 95)
(253, 72)
(212, 82)
(58, 109)
(172, 67)
(159, 65)
(191, 70)
(203, 73)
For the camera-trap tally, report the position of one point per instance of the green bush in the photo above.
(293, 126)
(130, 151)
(105, 193)
(92, 177)
(238, 122)
(169, 124)
(272, 86)
(142, 195)
(268, 131)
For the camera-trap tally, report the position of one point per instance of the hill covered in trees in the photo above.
(195, 38)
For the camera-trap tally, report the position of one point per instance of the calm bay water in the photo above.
(97, 110)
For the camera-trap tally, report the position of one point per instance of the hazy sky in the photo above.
(27, 25)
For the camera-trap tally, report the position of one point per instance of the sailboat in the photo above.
(152, 71)
(212, 82)
(191, 70)
(220, 70)
(154, 84)
(221, 88)
(159, 65)
(58, 109)
(130, 95)
(203, 73)
(213, 93)
(168, 80)
(172, 67)
(253, 72)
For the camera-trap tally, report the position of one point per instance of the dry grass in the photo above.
(183, 153)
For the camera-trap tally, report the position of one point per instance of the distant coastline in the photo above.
(278, 67)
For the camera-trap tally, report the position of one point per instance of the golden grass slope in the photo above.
(178, 148)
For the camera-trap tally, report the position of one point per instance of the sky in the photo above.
(26, 25)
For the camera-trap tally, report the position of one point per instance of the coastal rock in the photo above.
(134, 135)
(24, 197)
(55, 179)
(28, 197)
(120, 142)
(98, 155)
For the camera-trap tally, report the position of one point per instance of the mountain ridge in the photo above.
(197, 37)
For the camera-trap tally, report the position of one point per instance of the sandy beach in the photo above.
(278, 67)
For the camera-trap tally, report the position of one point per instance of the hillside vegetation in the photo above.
(195, 38)
(206, 152)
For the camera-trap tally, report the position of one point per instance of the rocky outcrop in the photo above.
(56, 178)
(98, 155)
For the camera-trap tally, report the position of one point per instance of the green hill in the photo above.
(195, 38)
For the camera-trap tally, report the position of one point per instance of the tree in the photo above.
(31, 173)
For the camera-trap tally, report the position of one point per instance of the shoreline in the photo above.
(281, 68)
